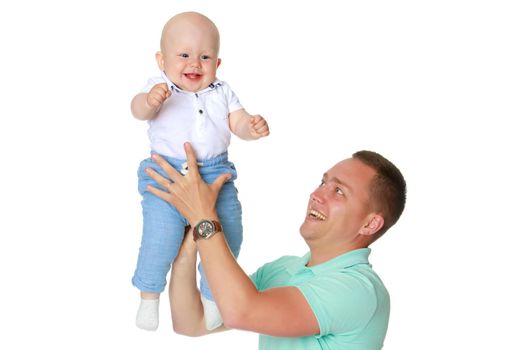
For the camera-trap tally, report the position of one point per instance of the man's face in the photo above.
(190, 58)
(339, 207)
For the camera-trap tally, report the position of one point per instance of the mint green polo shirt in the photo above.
(349, 300)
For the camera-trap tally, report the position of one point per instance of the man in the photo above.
(330, 298)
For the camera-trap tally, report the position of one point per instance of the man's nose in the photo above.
(317, 196)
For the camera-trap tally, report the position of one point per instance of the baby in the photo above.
(187, 103)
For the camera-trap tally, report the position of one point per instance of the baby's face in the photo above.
(189, 56)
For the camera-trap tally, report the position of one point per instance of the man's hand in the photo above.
(157, 95)
(194, 198)
(258, 127)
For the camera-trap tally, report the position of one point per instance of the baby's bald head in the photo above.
(189, 24)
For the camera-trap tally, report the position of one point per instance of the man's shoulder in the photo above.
(283, 261)
(275, 270)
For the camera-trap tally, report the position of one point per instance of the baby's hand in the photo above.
(157, 95)
(258, 127)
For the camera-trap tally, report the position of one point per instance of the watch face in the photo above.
(206, 228)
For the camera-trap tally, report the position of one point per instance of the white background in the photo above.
(437, 87)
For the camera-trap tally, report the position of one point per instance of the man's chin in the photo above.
(305, 230)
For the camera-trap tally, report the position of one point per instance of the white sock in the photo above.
(148, 314)
(211, 314)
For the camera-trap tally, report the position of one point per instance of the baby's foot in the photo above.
(211, 314)
(148, 314)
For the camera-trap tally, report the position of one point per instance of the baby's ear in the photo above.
(160, 60)
(219, 61)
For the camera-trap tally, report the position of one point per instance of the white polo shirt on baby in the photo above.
(200, 118)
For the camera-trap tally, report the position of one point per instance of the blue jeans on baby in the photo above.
(163, 225)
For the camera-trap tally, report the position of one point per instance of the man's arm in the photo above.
(282, 312)
(186, 307)
(278, 311)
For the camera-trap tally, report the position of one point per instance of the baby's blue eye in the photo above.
(205, 57)
(184, 55)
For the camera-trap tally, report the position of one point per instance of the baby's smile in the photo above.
(193, 76)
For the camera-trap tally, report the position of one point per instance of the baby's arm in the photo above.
(145, 106)
(248, 127)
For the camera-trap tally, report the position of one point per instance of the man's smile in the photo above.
(315, 214)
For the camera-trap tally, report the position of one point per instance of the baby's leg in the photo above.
(230, 216)
(163, 231)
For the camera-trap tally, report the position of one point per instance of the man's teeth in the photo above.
(314, 213)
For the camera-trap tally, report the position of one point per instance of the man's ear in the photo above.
(374, 223)
(219, 61)
(160, 60)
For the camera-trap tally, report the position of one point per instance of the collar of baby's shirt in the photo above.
(175, 88)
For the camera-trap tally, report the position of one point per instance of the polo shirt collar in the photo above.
(346, 260)
(175, 88)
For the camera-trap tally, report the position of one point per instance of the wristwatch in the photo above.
(205, 229)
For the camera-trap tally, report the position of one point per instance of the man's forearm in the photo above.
(232, 288)
(186, 307)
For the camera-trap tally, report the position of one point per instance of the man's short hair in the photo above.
(388, 188)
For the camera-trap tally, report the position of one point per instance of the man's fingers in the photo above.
(159, 193)
(220, 181)
(193, 168)
(171, 171)
(161, 180)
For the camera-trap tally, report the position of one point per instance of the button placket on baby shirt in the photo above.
(200, 113)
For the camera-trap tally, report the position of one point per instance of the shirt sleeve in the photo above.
(341, 301)
(253, 277)
(152, 82)
(257, 277)
(270, 274)
(231, 98)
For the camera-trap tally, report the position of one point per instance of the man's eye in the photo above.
(184, 55)
(322, 183)
(339, 191)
